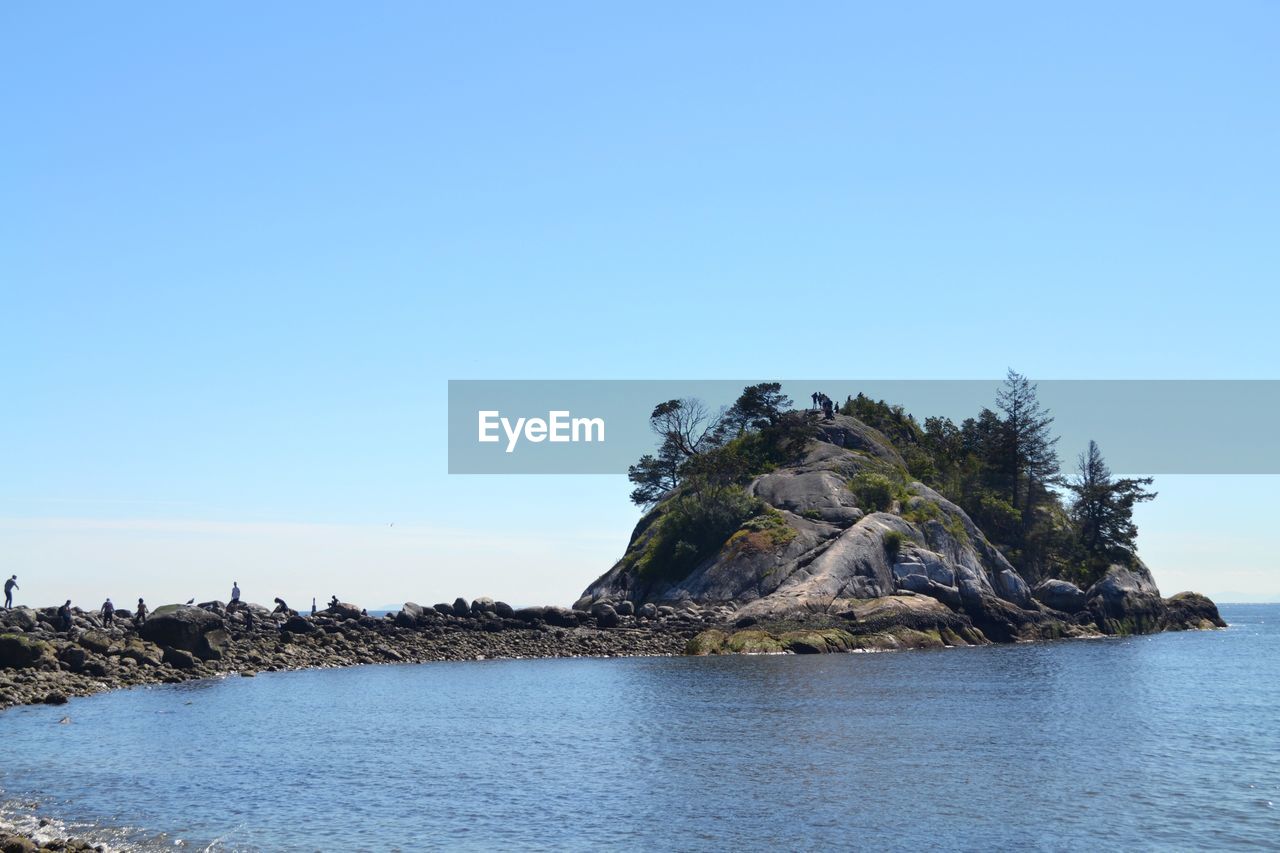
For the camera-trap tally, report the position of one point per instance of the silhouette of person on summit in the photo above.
(9, 586)
(64, 616)
(108, 613)
(142, 612)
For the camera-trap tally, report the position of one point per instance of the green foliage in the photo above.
(812, 515)
(764, 532)
(1103, 514)
(893, 541)
(1000, 467)
(876, 492)
(693, 527)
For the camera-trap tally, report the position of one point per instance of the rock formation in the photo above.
(846, 525)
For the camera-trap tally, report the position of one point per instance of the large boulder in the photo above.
(1192, 610)
(1127, 601)
(181, 627)
(18, 651)
(483, 604)
(460, 606)
(298, 625)
(1060, 595)
(21, 618)
(343, 610)
(606, 616)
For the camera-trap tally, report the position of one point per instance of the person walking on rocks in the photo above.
(108, 613)
(142, 612)
(9, 586)
(64, 616)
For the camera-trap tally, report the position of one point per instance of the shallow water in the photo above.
(1168, 741)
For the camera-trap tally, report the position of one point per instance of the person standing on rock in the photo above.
(9, 586)
(142, 612)
(108, 613)
(235, 593)
(64, 616)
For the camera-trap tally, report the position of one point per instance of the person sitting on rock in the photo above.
(142, 612)
(64, 616)
(108, 613)
(334, 602)
(9, 586)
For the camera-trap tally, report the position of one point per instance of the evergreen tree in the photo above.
(1103, 512)
(759, 406)
(1029, 458)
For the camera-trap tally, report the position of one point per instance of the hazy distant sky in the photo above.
(243, 247)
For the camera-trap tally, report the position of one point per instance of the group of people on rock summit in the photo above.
(108, 610)
(828, 406)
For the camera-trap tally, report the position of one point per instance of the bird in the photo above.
(64, 721)
(191, 601)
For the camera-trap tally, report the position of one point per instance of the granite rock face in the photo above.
(843, 545)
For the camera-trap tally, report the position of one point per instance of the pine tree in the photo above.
(1103, 512)
(1030, 459)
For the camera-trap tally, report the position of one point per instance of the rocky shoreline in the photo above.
(39, 664)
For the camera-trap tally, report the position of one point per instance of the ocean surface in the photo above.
(1162, 742)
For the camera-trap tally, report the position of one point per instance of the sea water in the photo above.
(1168, 741)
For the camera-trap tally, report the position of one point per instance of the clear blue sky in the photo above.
(243, 247)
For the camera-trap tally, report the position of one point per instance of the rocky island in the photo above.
(817, 533)
(801, 532)
(768, 530)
